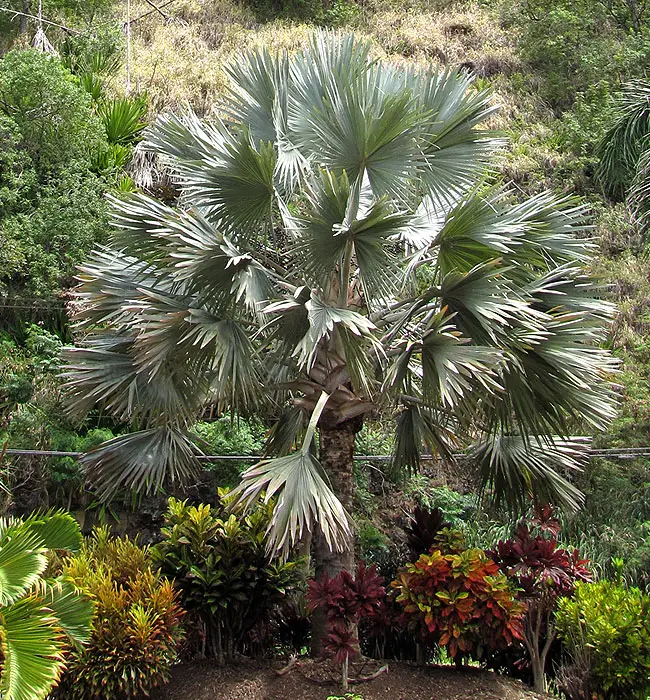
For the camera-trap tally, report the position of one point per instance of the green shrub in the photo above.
(456, 507)
(137, 623)
(225, 436)
(373, 544)
(606, 630)
(52, 113)
(575, 44)
(229, 584)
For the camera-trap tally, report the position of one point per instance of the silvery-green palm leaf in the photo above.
(336, 253)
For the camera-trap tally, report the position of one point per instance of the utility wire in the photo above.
(201, 458)
(612, 453)
(39, 19)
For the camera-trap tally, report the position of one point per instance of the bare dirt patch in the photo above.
(251, 680)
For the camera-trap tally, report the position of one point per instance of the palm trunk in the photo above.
(337, 458)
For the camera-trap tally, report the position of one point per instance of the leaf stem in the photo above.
(345, 276)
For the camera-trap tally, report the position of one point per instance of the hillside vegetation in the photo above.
(72, 117)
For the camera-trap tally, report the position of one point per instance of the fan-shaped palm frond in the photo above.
(72, 610)
(417, 426)
(623, 143)
(304, 498)
(22, 561)
(186, 142)
(569, 288)
(31, 651)
(36, 615)
(484, 303)
(142, 460)
(515, 469)
(553, 382)
(445, 365)
(56, 530)
(456, 151)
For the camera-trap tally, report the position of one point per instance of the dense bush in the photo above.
(228, 436)
(229, 583)
(458, 599)
(456, 507)
(51, 204)
(51, 112)
(576, 44)
(137, 624)
(606, 630)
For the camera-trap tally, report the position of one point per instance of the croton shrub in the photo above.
(232, 587)
(137, 625)
(458, 599)
(544, 573)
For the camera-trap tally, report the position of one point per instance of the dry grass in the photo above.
(180, 61)
(469, 37)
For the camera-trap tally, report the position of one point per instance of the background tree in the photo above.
(337, 252)
(51, 206)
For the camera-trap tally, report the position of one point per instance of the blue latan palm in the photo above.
(336, 251)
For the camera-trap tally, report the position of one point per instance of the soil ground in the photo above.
(251, 680)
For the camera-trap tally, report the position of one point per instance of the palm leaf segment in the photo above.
(36, 614)
(334, 240)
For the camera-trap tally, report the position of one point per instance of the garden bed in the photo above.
(250, 680)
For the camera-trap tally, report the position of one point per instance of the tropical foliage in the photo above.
(229, 583)
(346, 600)
(557, 66)
(40, 616)
(338, 252)
(543, 573)
(457, 599)
(606, 628)
(137, 623)
(425, 530)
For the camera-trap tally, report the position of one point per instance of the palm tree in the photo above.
(624, 152)
(337, 252)
(38, 616)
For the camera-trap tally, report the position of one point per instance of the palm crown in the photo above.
(336, 252)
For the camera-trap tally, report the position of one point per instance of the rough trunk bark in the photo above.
(23, 19)
(336, 455)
